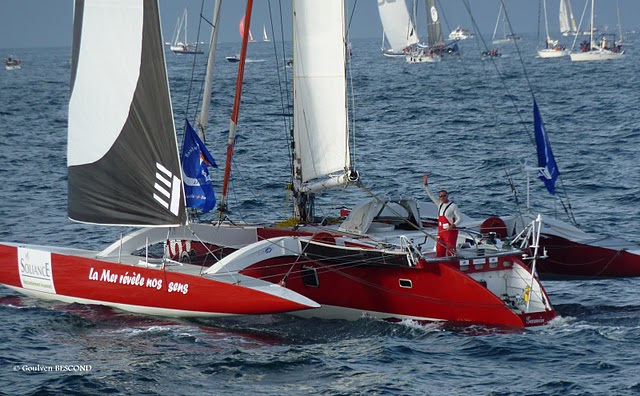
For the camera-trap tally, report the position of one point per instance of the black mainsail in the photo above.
(122, 154)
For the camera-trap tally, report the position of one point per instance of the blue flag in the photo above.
(197, 183)
(550, 173)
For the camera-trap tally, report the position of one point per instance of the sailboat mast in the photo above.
(592, 18)
(186, 41)
(495, 29)
(546, 24)
(620, 40)
(206, 96)
(236, 110)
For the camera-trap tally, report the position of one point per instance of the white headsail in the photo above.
(567, 22)
(397, 24)
(320, 91)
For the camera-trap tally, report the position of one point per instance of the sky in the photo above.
(48, 23)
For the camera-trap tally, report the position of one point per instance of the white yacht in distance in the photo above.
(460, 34)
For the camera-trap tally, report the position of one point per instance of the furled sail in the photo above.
(122, 153)
(434, 29)
(319, 83)
(397, 24)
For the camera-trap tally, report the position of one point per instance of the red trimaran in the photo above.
(379, 260)
(571, 252)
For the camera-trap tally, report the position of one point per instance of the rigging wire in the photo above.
(525, 126)
(351, 87)
(193, 70)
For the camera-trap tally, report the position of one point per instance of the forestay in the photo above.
(122, 156)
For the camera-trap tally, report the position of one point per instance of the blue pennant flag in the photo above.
(550, 173)
(197, 183)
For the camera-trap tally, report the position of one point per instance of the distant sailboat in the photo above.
(600, 48)
(506, 38)
(241, 28)
(436, 46)
(181, 45)
(552, 48)
(265, 38)
(398, 28)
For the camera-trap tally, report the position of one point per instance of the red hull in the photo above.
(438, 292)
(572, 260)
(134, 288)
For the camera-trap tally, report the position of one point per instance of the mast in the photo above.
(236, 110)
(186, 41)
(546, 24)
(619, 24)
(592, 9)
(495, 29)
(206, 95)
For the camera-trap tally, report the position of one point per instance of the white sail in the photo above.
(552, 47)
(319, 83)
(397, 24)
(567, 24)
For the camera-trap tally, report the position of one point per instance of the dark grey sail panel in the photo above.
(138, 180)
(434, 30)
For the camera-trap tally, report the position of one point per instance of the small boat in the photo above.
(552, 49)
(599, 48)
(11, 63)
(389, 53)
(180, 42)
(418, 54)
(492, 53)
(460, 34)
(236, 58)
(506, 37)
(265, 37)
(436, 48)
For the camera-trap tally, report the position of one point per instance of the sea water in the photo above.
(468, 123)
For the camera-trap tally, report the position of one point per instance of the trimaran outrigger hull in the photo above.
(153, 289)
